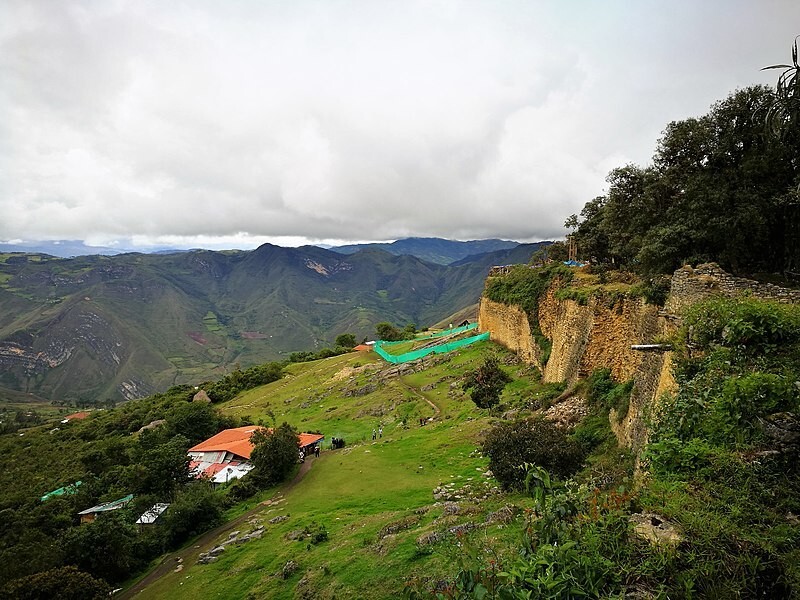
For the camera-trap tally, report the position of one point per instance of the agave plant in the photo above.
(784, 112)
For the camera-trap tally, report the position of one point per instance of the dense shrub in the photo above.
(239, 381)
(534, 441)
(197, 508)
(63, 583)
(274, 455)
(486, 383)
(603, 392)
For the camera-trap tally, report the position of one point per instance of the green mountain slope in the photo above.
(93, 329)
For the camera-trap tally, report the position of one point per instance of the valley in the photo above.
(95, 330)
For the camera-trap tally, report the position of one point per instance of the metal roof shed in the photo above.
(152, 514)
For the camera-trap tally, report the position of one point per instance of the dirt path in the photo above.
(189, 554)
(436, 410)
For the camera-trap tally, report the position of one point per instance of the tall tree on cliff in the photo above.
(716, 191)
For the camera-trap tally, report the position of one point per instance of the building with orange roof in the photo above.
(225, 456)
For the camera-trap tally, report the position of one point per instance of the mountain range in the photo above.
(94, 328)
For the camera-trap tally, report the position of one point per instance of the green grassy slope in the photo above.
(361, 492)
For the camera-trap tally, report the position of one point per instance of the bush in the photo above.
(535, 441)
(486, 383)
(197, 508)
(346, 340)
(64, 583)
(388, 332)
(274, 455)
(603, 392)
(242, 489)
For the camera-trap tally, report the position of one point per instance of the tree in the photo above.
(388, 332)
(346, 340)
(164, 468)
(486, 383)
(196, 421)
(63, 583)
(106, 548)
(197, 508)
(535, 441)
(274, 454)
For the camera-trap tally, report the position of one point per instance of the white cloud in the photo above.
(207, 124)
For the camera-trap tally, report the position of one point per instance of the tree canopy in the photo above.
(486, 383)
(274, 454)
(720, 188)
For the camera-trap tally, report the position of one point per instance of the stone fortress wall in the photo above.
(600, 334)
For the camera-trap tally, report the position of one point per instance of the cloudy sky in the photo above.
(228, 124)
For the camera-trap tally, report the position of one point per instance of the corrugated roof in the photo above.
(306, 439)
(108, 506)
(67, 489)
(237, 441)
(151, 514)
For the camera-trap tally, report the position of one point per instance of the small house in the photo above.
(226, 456)
(152, 514)
(90, 514)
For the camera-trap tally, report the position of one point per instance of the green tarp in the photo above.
(440, 349)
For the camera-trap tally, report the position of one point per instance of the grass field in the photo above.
(374, 498)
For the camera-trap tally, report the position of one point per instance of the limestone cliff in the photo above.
(586, 337)
(600, 333)
(510, 327)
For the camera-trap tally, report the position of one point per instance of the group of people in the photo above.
(379, 433)
(315, 450)
(336, 443)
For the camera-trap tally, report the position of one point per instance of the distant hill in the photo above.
(97, 328)
(435, 250)
(519, 254)
(70, 248)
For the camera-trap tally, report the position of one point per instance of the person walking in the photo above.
(373, 434)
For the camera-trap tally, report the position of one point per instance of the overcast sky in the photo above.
(228, 124)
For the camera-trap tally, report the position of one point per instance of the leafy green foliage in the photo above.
(196, 508)
(238, 381)
(783, 113)
(486, 383)
(510, 446)
(63, 583)
(346, 340)
(274, 454)
(721, 188)
(523, 285)
(603, 392)
(107, 548)
(388, 332)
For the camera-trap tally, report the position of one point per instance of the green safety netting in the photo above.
(440, 349)
(453, 331)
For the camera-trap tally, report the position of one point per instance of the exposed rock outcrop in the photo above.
(600, 333)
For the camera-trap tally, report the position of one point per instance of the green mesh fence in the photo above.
(453, 331)
(440, 349)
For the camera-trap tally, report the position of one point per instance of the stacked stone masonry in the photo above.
(600, 333)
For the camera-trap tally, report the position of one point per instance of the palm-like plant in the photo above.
(783, 115)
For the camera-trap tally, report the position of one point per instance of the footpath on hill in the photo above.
(191, 552)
